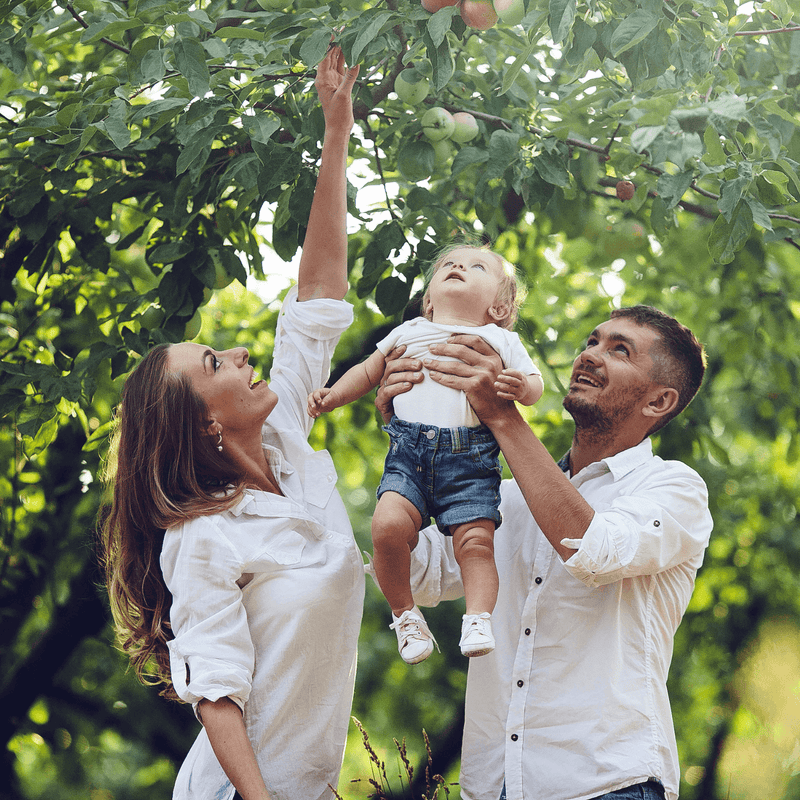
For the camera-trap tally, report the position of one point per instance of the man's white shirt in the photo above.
(573, 703)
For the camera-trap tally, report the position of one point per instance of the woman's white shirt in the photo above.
(268, 596)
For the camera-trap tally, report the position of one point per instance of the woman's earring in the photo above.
(219, 442)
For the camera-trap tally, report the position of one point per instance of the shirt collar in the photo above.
(620, 464)
(277, 463)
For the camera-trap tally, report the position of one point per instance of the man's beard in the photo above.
(594, 422)
(589, 417)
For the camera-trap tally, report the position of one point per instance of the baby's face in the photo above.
(468, 279)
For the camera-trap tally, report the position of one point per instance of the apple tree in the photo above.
(154, 153)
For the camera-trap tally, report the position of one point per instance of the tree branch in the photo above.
(103, 39)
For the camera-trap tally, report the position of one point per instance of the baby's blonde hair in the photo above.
(510, 293)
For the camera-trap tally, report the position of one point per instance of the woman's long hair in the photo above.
(165, 469)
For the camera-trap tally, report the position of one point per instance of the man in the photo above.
(597, 557)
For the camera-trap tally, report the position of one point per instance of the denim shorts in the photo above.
(450, 474)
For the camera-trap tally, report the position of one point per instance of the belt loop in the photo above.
(460, 439)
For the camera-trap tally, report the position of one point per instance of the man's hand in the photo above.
(475, 373)
(398, 377)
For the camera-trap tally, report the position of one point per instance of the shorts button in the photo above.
(430, 434)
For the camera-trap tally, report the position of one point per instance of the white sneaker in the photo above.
(414, 639)
(476, 634)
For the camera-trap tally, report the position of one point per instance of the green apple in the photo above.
(437, 123)
(466, 128)
(221, 276)
(416, 160)
(442, 151)
(479, 14)
(193, 326)
(411, 88)
(152, 318)
(510, 12)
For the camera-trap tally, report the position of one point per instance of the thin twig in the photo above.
(80, 21)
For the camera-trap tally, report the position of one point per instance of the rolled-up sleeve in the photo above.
(212, 654)
(306, 337)
(644, 532)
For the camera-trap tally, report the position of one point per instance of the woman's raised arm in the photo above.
(323, 264)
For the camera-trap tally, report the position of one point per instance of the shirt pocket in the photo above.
(283, 543)
(320, 479)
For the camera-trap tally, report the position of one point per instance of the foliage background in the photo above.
(142, 144)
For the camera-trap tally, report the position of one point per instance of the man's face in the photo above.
(612, 375)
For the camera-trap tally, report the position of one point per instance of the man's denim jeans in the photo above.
(652, 790)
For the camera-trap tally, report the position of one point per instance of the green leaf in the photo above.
(314, 47)
(632, 30)
(729, 236)
(440, 22)
(759, 212)
(109, 27)
(552, 169)
(12, 55)
(519, 62)
(391, 295)
(115, 125)
(367, 32)
(715, 154)
(441, 60)
(169, 252)
(467, 157)
(503, 150)
(239, 33)
(261, 126)
(671, 188)
(771, 107)
(731, 193)
(642, 138)
(190, 61)
(729, 106)
(232, 264)
(562, 15)
(153, 65)
(790, 168)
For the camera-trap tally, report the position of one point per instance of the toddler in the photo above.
(442, 462)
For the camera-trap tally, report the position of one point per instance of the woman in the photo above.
(230, 561)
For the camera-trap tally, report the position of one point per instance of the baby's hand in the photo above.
(511, 384)
(316, 402)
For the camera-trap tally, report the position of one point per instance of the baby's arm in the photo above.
(355, 383)
(511, 384)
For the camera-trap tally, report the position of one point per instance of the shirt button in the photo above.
(520, 683)
(657, 523)
(538, 580)
(527, 631)
(430, 434)
(514, 737)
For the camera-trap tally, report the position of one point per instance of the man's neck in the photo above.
(589, 448)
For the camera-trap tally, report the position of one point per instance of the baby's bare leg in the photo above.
(395, 532)
(473, 543)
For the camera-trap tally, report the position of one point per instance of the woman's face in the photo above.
(226, 382)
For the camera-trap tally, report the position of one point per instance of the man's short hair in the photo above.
(681, 362)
